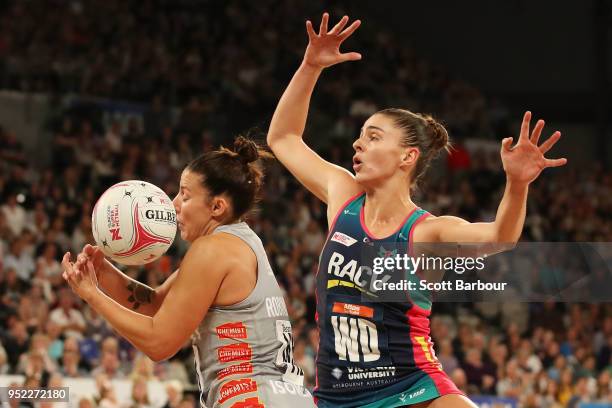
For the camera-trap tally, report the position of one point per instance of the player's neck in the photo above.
(388, 203)
(210, 227)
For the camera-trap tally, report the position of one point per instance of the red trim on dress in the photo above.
(423, 351)
(346, 203)
(367, 231)
(411, 233)
(411, 253)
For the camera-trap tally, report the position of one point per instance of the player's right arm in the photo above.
(186, 305)
(330, 183)
(126, 291)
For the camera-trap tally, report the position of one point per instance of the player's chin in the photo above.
(184, 234)
(362, 177)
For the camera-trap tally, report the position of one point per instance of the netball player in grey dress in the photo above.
(224, 296)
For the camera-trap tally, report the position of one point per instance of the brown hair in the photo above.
(422, 131)
(235, 171)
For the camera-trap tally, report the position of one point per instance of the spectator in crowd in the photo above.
(143, 367)
(565, 386)
(86, 402)
(67, 316)
(14, 215)
(36, 368)
(33, 309)
(4, 364)
(109, 398)
(174, 391)
(581, 393)
(48, 265)
(549, 399)
(20, 260)
(511, 384)
(110, 364)
(16, 343)
(460, 380)
(71, 359)
(39, 350)
(140, 394)
(188, 401)
(446, 357)
(56, 345)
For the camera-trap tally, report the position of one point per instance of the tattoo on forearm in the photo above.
(140, 294)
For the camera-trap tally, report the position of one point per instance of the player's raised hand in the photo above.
(83, 282)
(94, 255)
(324, 47)
(524, 162)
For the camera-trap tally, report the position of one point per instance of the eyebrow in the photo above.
(374, 128)
(184, 188)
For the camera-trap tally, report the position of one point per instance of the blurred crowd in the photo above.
(545, 354)
(178, 53)
(230, 56)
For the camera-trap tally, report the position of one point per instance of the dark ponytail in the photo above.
(247, 150)
(422, 131)
(236, 172)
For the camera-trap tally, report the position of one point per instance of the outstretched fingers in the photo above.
(323, 26)
(349, 30)
(311, 33)
(525, 126)
(66, 259)
(550, 142)
(507, 143)
(537, 131)
(547, 145)
(337, 30)
(350, 56)
(555, 162)
(67, 266)
(339, 26)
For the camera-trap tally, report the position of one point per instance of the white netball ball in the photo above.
(134, 222)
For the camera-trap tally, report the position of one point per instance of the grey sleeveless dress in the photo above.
(244, 352)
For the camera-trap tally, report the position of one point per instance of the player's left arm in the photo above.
(506, 228)
(522, 163)
(160, 336)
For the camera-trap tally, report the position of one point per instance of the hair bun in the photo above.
(439, 135)
(246, 149)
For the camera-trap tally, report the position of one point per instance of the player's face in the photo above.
(193, 213)
(378, 153)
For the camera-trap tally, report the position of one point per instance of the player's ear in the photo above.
(220, 207)
(409, 157)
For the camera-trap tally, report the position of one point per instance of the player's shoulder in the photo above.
(442, 219)
(428, 230)
(223, 249)
(341, 193)
(342, 184)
